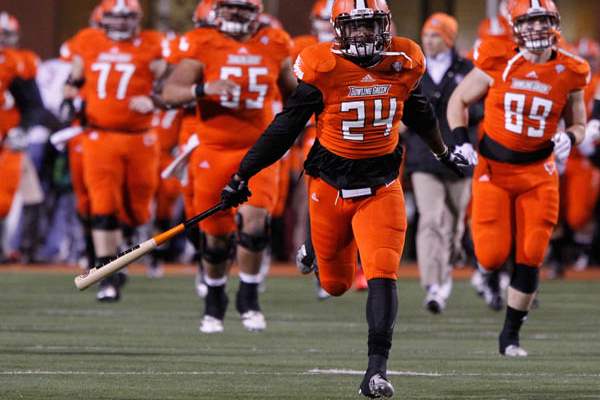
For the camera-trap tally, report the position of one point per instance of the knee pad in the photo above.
(525, 278)
(216, 255)
(255, 241)
(105, 222)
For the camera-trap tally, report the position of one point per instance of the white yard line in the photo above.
(315, 371)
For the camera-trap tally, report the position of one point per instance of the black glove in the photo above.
(453, 160)
(235, 193)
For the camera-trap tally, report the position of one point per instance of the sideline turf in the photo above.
(56, 343)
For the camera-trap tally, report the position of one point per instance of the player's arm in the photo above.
(575, 116)
(186, 84)
(281, 134)
(76, 78)
(420, 117)
(287, 81)
(470, 91)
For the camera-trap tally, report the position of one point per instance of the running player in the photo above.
(529, 88)
(360, 88)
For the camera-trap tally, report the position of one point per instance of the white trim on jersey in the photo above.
(510, 64)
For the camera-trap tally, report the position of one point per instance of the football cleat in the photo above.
(514, 351)
(155, 270)
(107, 293)
(254, 321)
(376, 386)
(321, 293)
(210, 324)
(477, 283)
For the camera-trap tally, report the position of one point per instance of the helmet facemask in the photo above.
(121, 26)
(9, 38)
(363, 36)
(236, 20)
(537, 32)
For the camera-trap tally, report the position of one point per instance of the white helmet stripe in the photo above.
(120, 6)
(4, 21)
(360, 4)
(535, 4)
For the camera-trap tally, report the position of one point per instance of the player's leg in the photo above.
(211, 172)
(536, 214)
(492, 226)
(82, 200)
(167, 193)
(253, 220)
(10, 172)
(432, 243)
(331, 237)
(379, 226)
(104, 175)
(581, 177)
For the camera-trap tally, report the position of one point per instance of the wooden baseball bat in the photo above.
(132, 254)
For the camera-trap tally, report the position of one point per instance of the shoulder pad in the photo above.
(492, 54)
(409, 52)
(580, 68)
(278, 36)
(319, 57)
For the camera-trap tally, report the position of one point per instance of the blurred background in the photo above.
(47, 23)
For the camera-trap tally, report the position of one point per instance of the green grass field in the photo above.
(56, 343)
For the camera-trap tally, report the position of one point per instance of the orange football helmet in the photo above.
(120, 18)
(96, 17)
(536, 23)
(9, 30)
(362, 29)
(320, 20)
(204, 15)
(238, 17)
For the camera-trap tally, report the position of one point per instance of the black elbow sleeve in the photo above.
(418, 112)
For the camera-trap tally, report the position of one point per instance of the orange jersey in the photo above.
(590, 92)
(302, 42)
(11, 67)
(115, 72)
(525, 102)
(363, 106)
(166, 125)
(236, 122)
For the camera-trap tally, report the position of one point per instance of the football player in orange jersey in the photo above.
(23, 111)
(581, 176)
(71, 110)
(515, 185)
(235, 72)
(10, 157)
(360, 88)
(115, 67)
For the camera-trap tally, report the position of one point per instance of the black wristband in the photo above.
(199, 90)
(596, 110)
(461, 134)
(78, 83)
(572, 138)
